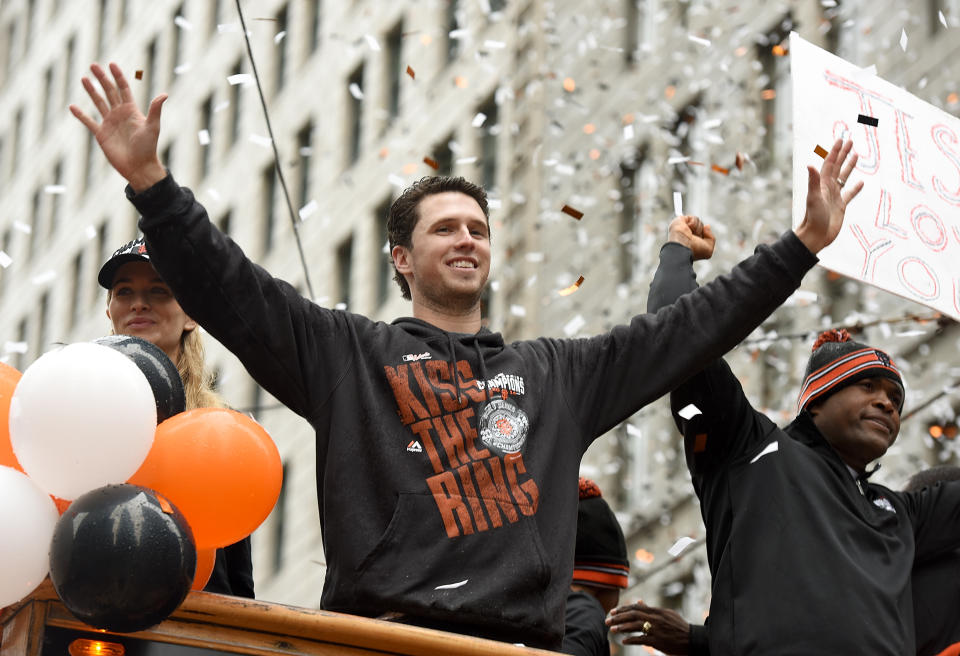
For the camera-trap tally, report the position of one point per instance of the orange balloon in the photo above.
(9, 377)
(219, 467)
(206, 559)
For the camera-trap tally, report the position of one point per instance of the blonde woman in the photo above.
(140, 304)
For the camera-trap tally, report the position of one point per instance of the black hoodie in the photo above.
(806, 558)
(447, 464)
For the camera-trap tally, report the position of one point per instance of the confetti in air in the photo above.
(572, 288)
(821, 151)
(867, 120)
(677, 204)
(689, 411)
(452, 586)
(432, 163)
(577, 214)
(138, 75)
(411, 73)
(903, 40)
(679, 546)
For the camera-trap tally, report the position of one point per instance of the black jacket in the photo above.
(805, 557)
(447, 464)
(585, 632)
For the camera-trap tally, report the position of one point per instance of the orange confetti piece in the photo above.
(628, 119)
(432, 163)
(693, 163)
(138, 75)
(779, 51)
(594, 154)
(572, 288)
(413, 76)
(577, 214)
(426, 39)
(720, 169)
(670, 92)
(768, 94)
(821, 151)
(164, 504)
(384, 152)
(741, 51)
(740, 161)
(700, 443)
(569, 84)
(952, 98)
(589, 128)
(644, 556)
(460, 82)
(409, 168)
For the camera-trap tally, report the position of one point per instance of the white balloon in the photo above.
(81, 417)
(28, 516)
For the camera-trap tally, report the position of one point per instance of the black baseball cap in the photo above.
(132, 251)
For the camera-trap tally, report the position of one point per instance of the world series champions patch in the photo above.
(503, 426)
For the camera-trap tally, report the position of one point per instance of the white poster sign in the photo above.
(902, 233)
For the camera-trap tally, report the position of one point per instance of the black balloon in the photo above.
(122, 558)
(159, 370)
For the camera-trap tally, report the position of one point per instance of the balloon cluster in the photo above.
(148, 491)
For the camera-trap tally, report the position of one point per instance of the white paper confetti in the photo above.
(903, 40)
(677, 204)
(240, 78)
(943, 19)
(180, 69)
(628, 132)
(518, 310)
(699, 40)
(278, 37)
(204, 137)
(261, 140)
(372, 42)
(224, 28)
(5, 260)
(396, 180)
(773, 447)
(219, 107)
(467, 160)
(307, 210)
(356, 91)
(44, 278)
(573, 326)
(451, 586)
(679, 546)
(478, 120)
(54, 189)
(90, 232)
(689, 411)
(490, 44)
(15, 347)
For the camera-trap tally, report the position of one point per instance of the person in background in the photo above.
(140, 304)
(797, 535)
(600, 570)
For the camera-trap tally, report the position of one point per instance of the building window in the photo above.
(17, 138)
(215, 9)
(280, 50)
(354, 115)
(638, 197)
(68, 59)
(382, 255)
(394, 69)
(205, 137)
(235, 98)
(53, 216)
(47, 98)
(77, 292)
(443, 156)
(22, 345)
(35, 220)
(313, 22)
(344, 272)
(691, 180)
(101, 28)
(43, 312)
(776, 97)
(488, 143)
(150, 74)
(640, 30)
(305, 153)
(269, 181)
(176, 47)
(277, 524)
(451, 22)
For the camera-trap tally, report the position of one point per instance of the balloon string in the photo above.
(276, 155)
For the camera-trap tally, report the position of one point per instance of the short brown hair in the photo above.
(404, 215)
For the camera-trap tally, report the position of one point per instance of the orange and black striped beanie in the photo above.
(838, 361)
(601, 554)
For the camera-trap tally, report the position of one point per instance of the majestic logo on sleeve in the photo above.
(503, 426)
(479, 481)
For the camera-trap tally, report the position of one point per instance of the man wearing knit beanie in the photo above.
(806, 554)
(600, 569)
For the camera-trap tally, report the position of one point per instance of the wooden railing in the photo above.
(37, 626)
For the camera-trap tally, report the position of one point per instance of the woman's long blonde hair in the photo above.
(197, 380)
